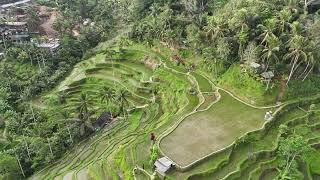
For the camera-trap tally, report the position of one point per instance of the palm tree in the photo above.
(85, 122)
(243, 37)
(271, 49)
(66, 117)
(312, 52)
(268, 29)
(296, 28)
(284, 19)
(297, 53)
(84, 116)
(122, 98)
(107, 94)
(83, 105)
(215, 28)
(311, 61)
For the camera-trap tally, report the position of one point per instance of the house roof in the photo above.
(254, 65)
(267, 75)
(163, 165)
(103, 119)
(14, 4)
(19, 36)
(15, 23)
(48, 45)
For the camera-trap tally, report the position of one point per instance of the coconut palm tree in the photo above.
(83, 104)
(297, 53)
(122, 99)
(66, 116)
(85, 123)
(268, 29)
(271, 49)
(243, 37)
(312, 52)
(284, 17)
(215, 28)
(107, 94)
(84, 114)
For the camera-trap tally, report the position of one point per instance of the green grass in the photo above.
(246, 87)
(205, 85)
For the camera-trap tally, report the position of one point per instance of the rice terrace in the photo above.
(161, 89)
(194, 120)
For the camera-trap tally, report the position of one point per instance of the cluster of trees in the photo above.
(26, 72)
(281, 35)
(31, 138)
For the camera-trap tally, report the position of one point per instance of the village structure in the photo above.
(163, 165)
(15, 25)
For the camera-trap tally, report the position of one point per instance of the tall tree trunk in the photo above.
(28, 151)
(305, 70)
(19, 163)
(292, 70)
(306, 6)
(308, 73)
(50, 147)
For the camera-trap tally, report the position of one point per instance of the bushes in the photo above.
(300, 88)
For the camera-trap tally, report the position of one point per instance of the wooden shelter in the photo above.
(163, 165)
(105, 118)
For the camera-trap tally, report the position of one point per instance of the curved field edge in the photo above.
(165, 119)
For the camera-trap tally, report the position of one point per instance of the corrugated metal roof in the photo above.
(268, 75)
(15, 23)
(163, 165)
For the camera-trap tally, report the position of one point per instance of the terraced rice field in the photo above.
(203, 133)
(188, 125)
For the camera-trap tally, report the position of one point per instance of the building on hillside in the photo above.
(16, 32)
(104, 119)
(163, 165)
(14, 26)
(21, 3)
(52, 45)
(19, 38)
(267, 77)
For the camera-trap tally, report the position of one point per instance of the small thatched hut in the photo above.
(104, 119)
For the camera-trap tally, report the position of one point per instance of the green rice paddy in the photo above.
(188, 126)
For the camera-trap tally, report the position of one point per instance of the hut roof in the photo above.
(15, 23)
(102, 120)
(267, 75)
(254, 65)
(15, 4)
(163, 165)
